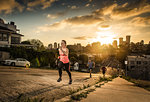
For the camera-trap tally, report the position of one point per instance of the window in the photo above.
(138, 62)
(131, 62)
(145, 62)
(132, 67)
(1, 37)
(15, 40)
(5, 37)
(0, 54)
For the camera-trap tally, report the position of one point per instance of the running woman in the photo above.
(64, 61)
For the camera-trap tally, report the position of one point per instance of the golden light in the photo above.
(104, 37)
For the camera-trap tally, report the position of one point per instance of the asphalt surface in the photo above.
(119, 90)
(41, 83)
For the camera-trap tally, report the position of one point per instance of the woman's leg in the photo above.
(60, 65)
(67, 66)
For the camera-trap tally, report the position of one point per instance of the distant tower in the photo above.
(128, 39)
(115, 43)
(55, 45)
(78, 46)
(142, 42)
(120, 41)
(58, 45)
(50, 46)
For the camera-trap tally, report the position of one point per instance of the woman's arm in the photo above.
(65, 52)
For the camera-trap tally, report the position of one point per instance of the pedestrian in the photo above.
(76, 66)
(91, 65)
(64, 61)
(104, 71)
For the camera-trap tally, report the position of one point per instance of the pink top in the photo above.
(64, 58)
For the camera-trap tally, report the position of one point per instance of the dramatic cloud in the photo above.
(7, 6)
(74, 7)
(125, 10)
(80, 38)
(85, 20)
(134, 8)
(44, 3)
(87, 5)
(56, 15)
(77, 20)
(105, 26)
(141, 21)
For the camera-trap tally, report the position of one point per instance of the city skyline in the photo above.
(79, 21)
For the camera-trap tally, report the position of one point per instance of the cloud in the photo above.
(107, 9)
(134, 8)
(140, 21)
(105, 26)
(97, 17)
(44, 3)
(84, 20)
(81, 37)
(52, 16)
(56, 15)
(90, 0)
(126, 10)
(8, 6)
(74, 7)
(87, 5)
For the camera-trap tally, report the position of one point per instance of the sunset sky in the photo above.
(79, 21)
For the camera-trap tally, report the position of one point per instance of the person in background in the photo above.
(91, 65)
(104, 71)
(76, 66)
(64, 61)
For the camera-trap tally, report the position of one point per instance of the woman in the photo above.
(64, 61)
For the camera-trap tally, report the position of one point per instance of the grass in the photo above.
(23, 98)
(140, 83)
(78, 97)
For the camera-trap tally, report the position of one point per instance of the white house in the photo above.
(9, 35)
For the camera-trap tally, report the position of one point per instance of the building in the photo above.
(55, 45)
(58, 45)
(50, 46)
(128, 39)
(120, 41)
(139, 66)
(9, 35)
(115, 44)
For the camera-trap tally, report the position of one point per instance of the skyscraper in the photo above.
(128, 39)
(55, 45)
(50, 46)
(115, 43)
(58, 45)
(120, 41)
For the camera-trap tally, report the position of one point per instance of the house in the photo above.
(9, 35)
(139, 66)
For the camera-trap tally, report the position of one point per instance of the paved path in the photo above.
(119, 90)
(31, 82)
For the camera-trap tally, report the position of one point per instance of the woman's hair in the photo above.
(64, 42)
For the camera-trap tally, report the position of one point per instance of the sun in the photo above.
(104, 37)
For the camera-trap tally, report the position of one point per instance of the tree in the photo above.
(83, 58)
